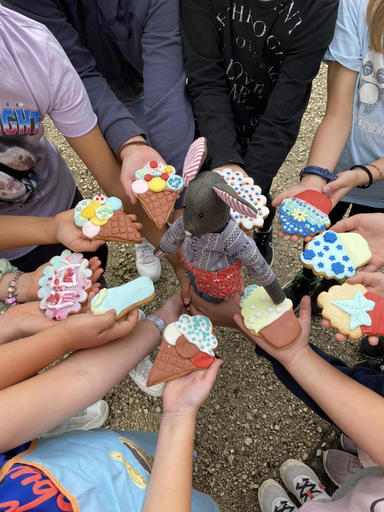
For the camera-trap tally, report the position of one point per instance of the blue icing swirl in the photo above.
(330, 237)
(175, 182)
(309, 254)
(114, 202)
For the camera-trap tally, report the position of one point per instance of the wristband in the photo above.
(364, 168)
(10, 300)
(157, 322)
(375, 166)
(318, 171)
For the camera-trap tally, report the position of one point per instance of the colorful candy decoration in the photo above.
(336, 256)
(157, 186)
(103, 217)
(305, 214)
(246, 189)
(187, 345)
(353, 310)
(65, 285)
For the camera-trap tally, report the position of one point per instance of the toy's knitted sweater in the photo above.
(217, 251)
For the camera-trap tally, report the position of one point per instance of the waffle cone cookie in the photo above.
(353, 310)
(158, 205)
(157, 186)
(277, 325)
(187, 345)
(103, 218)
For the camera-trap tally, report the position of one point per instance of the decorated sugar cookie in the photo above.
(353, 310)
(305, 214)
(336, 256)
(277, 325)
(125, 298)
(251, 193)
(65, 285)
(157, 186)
(187, 345)
(103, 218)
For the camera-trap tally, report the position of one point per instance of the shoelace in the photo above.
(147, 251)
(308, 489)
(285, 507)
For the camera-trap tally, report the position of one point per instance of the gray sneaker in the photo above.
(273, 498)
(140, 376)
(302, 482)
(340, 465)
(348, 445)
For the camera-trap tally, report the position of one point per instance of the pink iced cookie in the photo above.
(65, 285)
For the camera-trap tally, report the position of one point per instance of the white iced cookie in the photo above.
(247, 190)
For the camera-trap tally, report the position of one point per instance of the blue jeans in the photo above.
(365, 376)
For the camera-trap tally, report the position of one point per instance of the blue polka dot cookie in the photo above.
(336, 255)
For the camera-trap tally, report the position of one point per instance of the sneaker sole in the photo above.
(153, 279)
(325, 455)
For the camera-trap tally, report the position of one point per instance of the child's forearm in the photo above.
(42, 402)
(170, 486)
(24, 231)
(355, 409)
(25, 357)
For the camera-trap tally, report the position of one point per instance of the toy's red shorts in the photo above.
(218, 284)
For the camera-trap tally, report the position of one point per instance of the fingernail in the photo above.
(186, 301)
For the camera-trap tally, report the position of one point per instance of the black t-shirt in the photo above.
(250, 66)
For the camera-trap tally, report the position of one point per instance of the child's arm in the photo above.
(25, 357)
(355, 409)
(170, 485)
(42, 402)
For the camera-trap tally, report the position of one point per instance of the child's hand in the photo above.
(25, 320)
(67, 233)
(371, 227)
(374, 282)
(87, 330)
(185, 283)
(185, 395)
(220, 313)
(291, 355)
(345, 182)
(172, 309)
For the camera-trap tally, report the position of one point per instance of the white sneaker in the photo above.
(141, 316)
(140, 376)
(92, 417)
(146, 263)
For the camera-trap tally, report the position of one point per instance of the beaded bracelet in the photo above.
(375, 166)
(10, 300)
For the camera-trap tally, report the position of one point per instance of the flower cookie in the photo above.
(336, 256)
(277, 325)
(305, 214)
(103, 218)
(65, 285)
(157, 186)
(187, 345)
(246, 189)
(125, 298)
(353, 310)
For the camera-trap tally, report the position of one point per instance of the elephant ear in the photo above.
(196, 155)
(231, 198)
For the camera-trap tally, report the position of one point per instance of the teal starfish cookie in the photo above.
(357, 308)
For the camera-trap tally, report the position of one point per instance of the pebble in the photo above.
(230, 459)
(307, 443)
(248, 441)
(158, 409)
(249, 416)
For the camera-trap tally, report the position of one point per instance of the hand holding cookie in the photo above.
(88, 330)
(371, 227)
(68, 234)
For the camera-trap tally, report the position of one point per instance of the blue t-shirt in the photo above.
(350, 47)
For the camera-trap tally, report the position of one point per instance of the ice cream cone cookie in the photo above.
(157, 186)
(305, 214)
(353, 310)
(277, 325)
(251, 193)
(125, 298)
(103, 218)
(187, 345)
(336, 256)
(65, 285)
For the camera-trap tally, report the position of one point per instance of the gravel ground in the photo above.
(250, 424)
